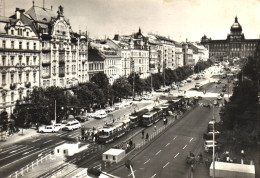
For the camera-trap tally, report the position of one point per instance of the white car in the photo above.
(48, 129)
(58, 125)
(72, 125)
(110, 109)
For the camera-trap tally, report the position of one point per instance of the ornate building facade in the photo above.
(19, 59)
(39, 49)
(234, 46)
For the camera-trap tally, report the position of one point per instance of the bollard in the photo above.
(27, 168)
(251, 162)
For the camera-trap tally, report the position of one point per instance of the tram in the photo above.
(152, 116)
(136, 118)
(114, 130)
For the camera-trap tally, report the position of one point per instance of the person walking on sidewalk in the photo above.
(147, 136)
(155, 128)
(142, 134)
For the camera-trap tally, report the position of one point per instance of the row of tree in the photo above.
(39, 107)
(239, 115)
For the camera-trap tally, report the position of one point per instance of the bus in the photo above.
(112, 131)
(152, 116)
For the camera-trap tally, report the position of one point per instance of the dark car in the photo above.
(81, 118)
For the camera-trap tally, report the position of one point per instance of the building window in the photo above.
(12, 32)
(3, 79)
(34, 60)
(20, 60)
(27, 33)
(114, 158)
(54, 82)
(54, 69)
(28, 45)
(12, 96)
(20, 95)
(106, 156)
(12, 78)
(34, 46)
(20, 78)
(12, 44)
(34, 77)
(12, 60)
(20, 45)
(4, 44)
(3, 60)
(27, 77)
(28, 93)
(4, 98)
(27, 60)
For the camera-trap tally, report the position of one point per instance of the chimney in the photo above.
(18, 13)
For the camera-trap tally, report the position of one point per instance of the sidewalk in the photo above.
(16, 137)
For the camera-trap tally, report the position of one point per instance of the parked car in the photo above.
(48, 129)
(72, 125)
(81, 118)
(58, 125)
(146, 97)
(118, 106)
(137, 98)
(110, 109)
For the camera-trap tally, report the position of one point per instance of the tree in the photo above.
(4, 120)
(101, 80)
(121, 87)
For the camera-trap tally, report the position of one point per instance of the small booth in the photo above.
(113, 155)
(68, 149)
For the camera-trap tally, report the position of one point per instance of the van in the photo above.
(72, 125)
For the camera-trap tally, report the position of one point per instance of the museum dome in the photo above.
(236, 26)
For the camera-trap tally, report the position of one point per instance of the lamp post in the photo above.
(82, 111)
(243, 154)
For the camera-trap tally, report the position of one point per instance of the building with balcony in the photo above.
(20, 52)
(178, 55)
(95, 62)
(234, 46)
(63, 52)
(39, 48)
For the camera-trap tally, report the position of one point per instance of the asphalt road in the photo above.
(16, 156)
(165, 157)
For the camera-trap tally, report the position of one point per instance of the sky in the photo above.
(177, 19)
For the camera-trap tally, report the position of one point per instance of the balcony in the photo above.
(45, 76)
(46, 49)
(20, 65)
(27, 84)
(46, 61)
(61, 75)
(12, 86)
(62, 61)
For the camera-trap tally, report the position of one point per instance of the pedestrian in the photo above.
(130, 143)
(142, 134)
(147, 136)
(155, 128)
(164, 121)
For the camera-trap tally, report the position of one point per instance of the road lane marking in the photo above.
(147, 161)
(131, 173)
(60, 143)
(184, 147)
(36, 140)
(166, 164)
(16, 153)
(9, 149)
(47, 141)
(22, 158)
(30, 151)
(153, 176)
(191, 139)
(167, 144)
(174, 138)
(176, 155)
(158, 152)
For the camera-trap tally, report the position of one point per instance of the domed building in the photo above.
(234, 46)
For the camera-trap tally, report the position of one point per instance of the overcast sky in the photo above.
(178, 19)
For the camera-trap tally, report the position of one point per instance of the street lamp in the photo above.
(82, 111)
(243, 155)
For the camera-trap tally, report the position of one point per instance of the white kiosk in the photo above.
(113, 155)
